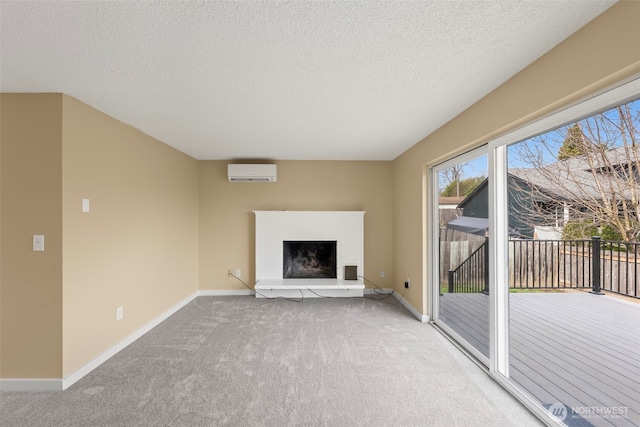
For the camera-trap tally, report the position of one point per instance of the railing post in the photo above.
(486, 266)
(450, 278)
(595, 265)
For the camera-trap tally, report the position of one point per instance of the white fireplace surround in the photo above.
(274, 227)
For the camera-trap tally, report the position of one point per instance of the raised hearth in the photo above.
(309, 288)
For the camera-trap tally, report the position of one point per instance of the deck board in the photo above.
(469, 317)
(575, 348)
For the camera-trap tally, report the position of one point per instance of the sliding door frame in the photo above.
(434, 227)
(498, 362)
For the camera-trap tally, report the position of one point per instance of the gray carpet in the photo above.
(242, 361)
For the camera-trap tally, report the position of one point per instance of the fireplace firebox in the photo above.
(309, 259)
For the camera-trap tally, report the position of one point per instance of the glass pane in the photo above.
(463, 304)
(574, 205)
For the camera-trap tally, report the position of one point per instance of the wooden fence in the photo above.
(455, 248)
(563, 264)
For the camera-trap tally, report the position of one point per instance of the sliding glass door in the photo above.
(462, 226)
(535, 259)
(574, 312)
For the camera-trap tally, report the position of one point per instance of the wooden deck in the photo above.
(578, 349)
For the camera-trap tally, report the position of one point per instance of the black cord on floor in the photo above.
(318, 295)
(376, 289)
(264, 296)
(380, 291)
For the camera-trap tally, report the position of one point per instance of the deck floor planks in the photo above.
(563, 310)
(567, 383)
(611, 352)
(576, 348)
(600, 379)
(599, 387)
(595, 375)
(469, 317)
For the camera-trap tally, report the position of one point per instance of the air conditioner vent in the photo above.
(252, 172)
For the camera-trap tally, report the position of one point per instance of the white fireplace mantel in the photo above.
(274, 227)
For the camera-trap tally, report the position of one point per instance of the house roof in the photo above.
(450, 200)
(298, 80)
(579, 177)
(473, 194)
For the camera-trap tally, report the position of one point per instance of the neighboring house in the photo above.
(475, 211)
(448, 209)
(545, 198)
(475, 214)
(596, 186)
(445, 203)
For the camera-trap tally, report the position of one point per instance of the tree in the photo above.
(587, 171)
(461, 188)
(573, 144)
(452, 177)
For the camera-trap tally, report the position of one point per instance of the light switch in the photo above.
(38, 242)
(85, 205)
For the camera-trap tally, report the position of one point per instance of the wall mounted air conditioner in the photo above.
(252, 173)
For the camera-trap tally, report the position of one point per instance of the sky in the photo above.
(553, 139)
(599, 128)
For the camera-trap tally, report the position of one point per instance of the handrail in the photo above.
(591, 264)
(472, 275)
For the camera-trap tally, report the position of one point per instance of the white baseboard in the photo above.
(424, 318)
(93, 364)
(28, 384)
(53, 384)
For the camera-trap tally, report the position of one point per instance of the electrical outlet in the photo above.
(407, 283)
(382, 274)
(238, 273)
(119, 313)
(230, 273)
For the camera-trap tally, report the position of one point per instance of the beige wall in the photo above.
(138, 245)
(227, 219)
(31, 193)
(136, 248)
(602, 53)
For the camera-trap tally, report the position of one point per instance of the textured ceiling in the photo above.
(280, 80)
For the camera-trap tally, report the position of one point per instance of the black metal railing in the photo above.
(594, 264)
(472, 275)
(549, 264)
(619, 263)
